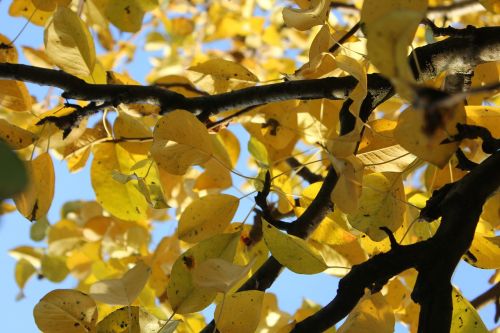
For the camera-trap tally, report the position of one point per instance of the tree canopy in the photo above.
(373, 155)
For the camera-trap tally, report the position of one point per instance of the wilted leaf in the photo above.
(299, 19)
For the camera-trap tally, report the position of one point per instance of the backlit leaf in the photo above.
(15, 137)
(183, 295)
(68, 43)
(14, 95)
(381, 205)
(239, 312)
(175, 148)
(207, 216)
(409, 134)
(305, 19)
(218, 274)
(484, 252)
(372, 314)
(66, 311)
(122, 200)
(224, 69)
(292, 252)
(122, 291)
(465, 318)
(36, 199)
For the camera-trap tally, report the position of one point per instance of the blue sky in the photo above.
(16, 316)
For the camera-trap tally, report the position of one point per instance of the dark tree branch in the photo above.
(435, 258)
(487, 297)
(303, 171)
(457, 53)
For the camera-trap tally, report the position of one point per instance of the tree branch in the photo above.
(435, 258)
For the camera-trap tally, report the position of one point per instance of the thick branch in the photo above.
(435, 258)
(455, 53)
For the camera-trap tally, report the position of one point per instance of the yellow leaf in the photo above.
(321, 43)
(465, 318)
(239, 312)
(329, 231)
(390, 27)
(66, 311)
(486, 116)
(50, 5)
(54, 268)
(183, 295)
(8, 52)
(132, 319)
(484, 252)
(122, 291)
(218, 274)
(491, 5)
(371, 314)
(382, 204)
(411, 137)
(292, 252)
(15, 137)
(224, 69)
(35, 201)
(27, 9)
(69, 44)
(128, 127)
(23, 272)
(491, 210)
(206, 217)
(37, 57)
(387, 159)
(175, 148)
(124, 201)
(305, 19)
(126, 15)
(347, 191)
(14, 95)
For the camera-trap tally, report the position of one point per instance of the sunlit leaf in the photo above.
(36, 199)
(239, 312)
(113, 195)
(305, 19)
(175, 148)
(65, 310)
(465, 318)
(409, 134)
(122, 291)
(292, 252)
(68, 43)
(372, 314)
(183, 295)
(382, 204)
(206, 217)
